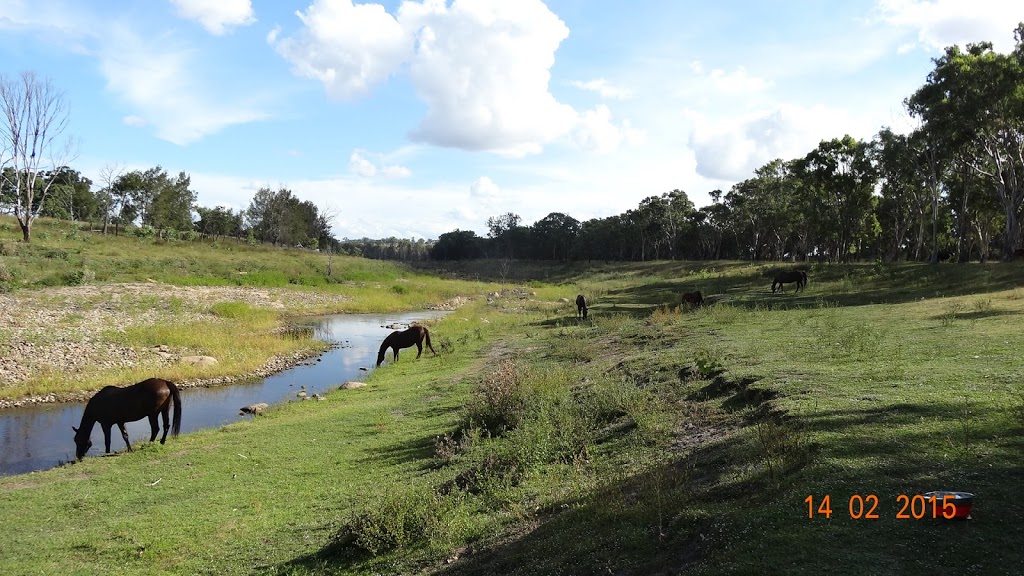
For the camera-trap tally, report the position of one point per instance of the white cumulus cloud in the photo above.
(732, 148)
(360, 165)
(481, 66)
(348, 47)
(216, 15)
(597, 132)
(484, 188)
(604, 88)
(941, 23)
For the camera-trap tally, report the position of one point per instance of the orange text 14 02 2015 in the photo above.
(866, 507)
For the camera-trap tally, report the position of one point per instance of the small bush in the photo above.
(6, 275)
(405, 518)
(8, 248)
(56, 254)
(783, 446)
(499, 400)
(79, 277)
(399, 289)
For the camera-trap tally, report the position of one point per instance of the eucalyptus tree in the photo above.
(975, 98)
(70, 197)
(554, 235)
(33, 117)
(506, 233)
(905, 196)
(840, 180)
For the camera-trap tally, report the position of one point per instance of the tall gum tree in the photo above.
(975, 99)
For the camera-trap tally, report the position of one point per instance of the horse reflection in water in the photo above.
(411, 336)
(117, 405)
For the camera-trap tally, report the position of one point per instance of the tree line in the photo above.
(950, 189)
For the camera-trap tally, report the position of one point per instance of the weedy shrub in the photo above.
(410, 517)
(399, 289)
(950, 314)
(498, 402)
(573, 348)
(783, 446)
(79, 277)
(665, 316)
(982, 306)
(723, 313)
(8, 248)
(6, 276)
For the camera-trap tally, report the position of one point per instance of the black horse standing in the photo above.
(117, 405)
(411, 336)
(798, 277)
(581, 307)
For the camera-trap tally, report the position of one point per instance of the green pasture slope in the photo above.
(645, 440)
(240, 336)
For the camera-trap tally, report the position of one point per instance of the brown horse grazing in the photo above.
(693, 298)
(117, 405)
(404, 339)
(798, 277)
(581, 307)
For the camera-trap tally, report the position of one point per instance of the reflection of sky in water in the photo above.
(39, 437)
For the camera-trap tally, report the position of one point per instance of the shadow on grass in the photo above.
(838, 284)
(420, 450)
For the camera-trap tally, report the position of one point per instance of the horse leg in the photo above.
(154, 426)
(106, 436)
(396, 353)
(167, 425)
(419, 349)
(124, 434)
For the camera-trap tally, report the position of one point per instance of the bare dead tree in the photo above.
(109, 174)
(34, 116)
(329, 213)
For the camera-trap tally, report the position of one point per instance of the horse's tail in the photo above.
(176, 420)
(426, 334)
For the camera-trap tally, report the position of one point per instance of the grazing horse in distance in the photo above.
(117, 405)
(581, 307)
(693, 298)
(411, 336)
(798, 277)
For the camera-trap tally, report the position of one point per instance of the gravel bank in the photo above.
(59, 329)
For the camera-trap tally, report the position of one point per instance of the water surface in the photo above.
(39, 436)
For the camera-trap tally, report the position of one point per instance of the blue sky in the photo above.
(414, 118)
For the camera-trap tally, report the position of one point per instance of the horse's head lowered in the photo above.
(82, 443)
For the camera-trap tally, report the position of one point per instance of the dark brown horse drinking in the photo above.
(798, 277)
(693, 298)
(117, 405)
(413, 335)
(581, 307)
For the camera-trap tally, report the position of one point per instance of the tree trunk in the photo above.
(26, 230)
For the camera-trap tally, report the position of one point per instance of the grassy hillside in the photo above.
(47, 285)
(647, 439)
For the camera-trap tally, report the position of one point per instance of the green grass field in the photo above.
(645, 440)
